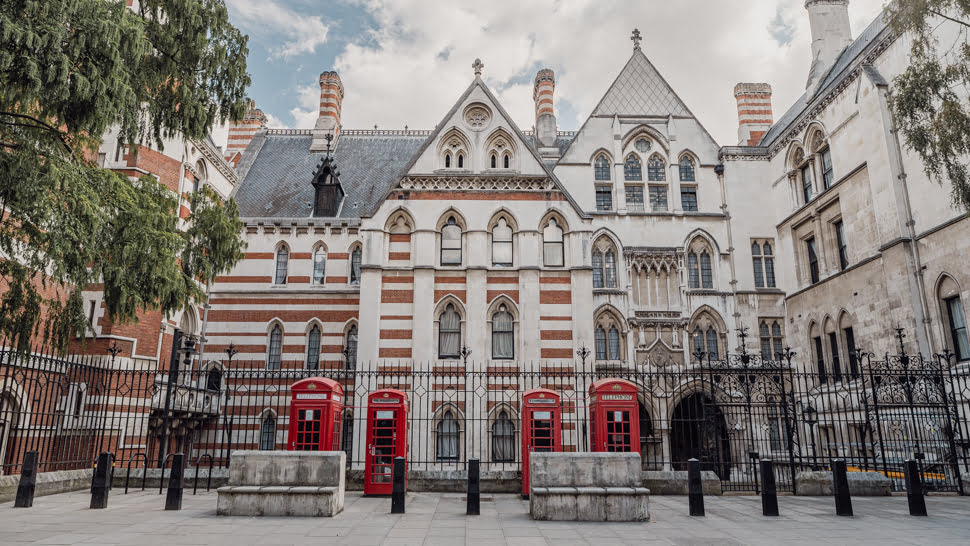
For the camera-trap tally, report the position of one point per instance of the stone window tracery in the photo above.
(632, 168)
(771, 340)
(604, 265)
(763, 261)
(656, 169)
(700, 269)
(608, 337)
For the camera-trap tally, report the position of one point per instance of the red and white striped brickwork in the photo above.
(754, 112)
(242, 133)
(542, 95)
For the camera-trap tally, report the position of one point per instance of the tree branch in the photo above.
(948, 18)
(42, 125)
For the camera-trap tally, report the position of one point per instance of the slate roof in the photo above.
(840, 70)
(277, 183)
(640, 90)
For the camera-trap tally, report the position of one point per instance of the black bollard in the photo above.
(173, 499)
(769, 493)
(28, 481)
(99, 485)
(840, 488)
(914, 489)
(397, 491)
(474, 505)
(695, 489)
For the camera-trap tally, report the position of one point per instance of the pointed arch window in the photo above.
(350, 351)
(601, 353)
(552, 245)
(213, 379)
(632, 168)
(601, 169)
(447, 161)
(461, 161)
(502, 244)
(656, 169)
(506, 161)
(771, 342)
(610, 269)
(451, 243)
(614, 343)
(267, 433)
(282, 261)
(693, 270)
(598, 269)
(319, 265)
(355, 266)
(707, 275)
(697, 340)
(503, 334)
(275, 359)
(503, 439)
(712, 343)
(687, 169)
(313, 349)
(494, 162)
(447, 438)
(449, 333)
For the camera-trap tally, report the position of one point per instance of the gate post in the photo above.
(769, 495)
(28, 481)
(473, 505)
(840, 488)
(99, 485)
(173, 499)
(397, 493)
(914, 489)
(695, 489)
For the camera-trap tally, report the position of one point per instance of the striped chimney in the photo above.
(754, 112)
(542, 94)
(241, 133)
(331, 98)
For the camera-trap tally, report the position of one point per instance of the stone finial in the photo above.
(478, 65)
(636, 39)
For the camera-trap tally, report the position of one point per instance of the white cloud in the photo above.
(300, 33)
(305, 115)
(417, 60)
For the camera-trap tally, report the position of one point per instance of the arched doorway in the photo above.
(650, 452)
(8, 419)
(698, 431)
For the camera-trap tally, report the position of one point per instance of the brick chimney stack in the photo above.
(831, 34)
(242, 132)
(331, 98)
(546, 130)
(754, 112)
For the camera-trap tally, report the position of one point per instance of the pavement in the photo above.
(139, 518)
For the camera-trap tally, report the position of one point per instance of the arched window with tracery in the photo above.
(632, 168)
(704, 336)
(771, 342)
(693, 270)
(601, 352)
(503, 439)
(319, 265)
(355, 265)
(274, 358)
(350, 350)
(503, 334)
(707, 274)
(449, 333)
(601, 169)
(608, 337)
(656, 169)
(451, 242)
(687, 169)
(553, 254)
(604, 264)
(313, 348)
(282, 262)
(448, 433)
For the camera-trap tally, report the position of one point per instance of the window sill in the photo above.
(609, 291)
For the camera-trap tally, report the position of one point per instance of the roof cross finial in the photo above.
(636, 39)
(329, 137)
(478, 65)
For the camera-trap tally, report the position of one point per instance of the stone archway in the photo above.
(9, 413)
(698, 430)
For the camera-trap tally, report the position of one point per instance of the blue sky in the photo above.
(407, 61)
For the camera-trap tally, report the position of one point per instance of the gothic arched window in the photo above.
(656, 169)
(275, 354)
(614, 343)
(502, 244)
(447, 438)
(351, 348)
(449, 333)
(494, 162)
(503, 439)
(552, 245)
(461, 161)
(707, 275)
(503, 334)
(451, 243)
(600, 343)
(632, 169)
(601, 168)
(712, 343)
(355, 266)
(506, 161)
(267, 433)
(282, 261)
(686, 169)
(693, 271)
(610, 269)
(313, 349)
(319, 265)
(598, 269)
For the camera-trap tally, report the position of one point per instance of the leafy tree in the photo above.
(929, 99)
(70, 70)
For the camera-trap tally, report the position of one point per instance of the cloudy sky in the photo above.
(407, 61)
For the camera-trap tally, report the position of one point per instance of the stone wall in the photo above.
(48, 483)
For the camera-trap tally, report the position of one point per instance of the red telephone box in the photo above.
(615, 416)
(541, 427)
(387, 438)
(316, 407)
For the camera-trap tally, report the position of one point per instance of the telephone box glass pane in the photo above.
(618, 431)
(542, 433)
(308, 430)
(383, 445)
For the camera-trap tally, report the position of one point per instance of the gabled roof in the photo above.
(841, 69)
(277, 182)
(640, 90)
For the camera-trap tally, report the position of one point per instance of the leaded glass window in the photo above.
(319, 265)
(686, 169)
(313, 349)
(282, 261)
(275, 353)
(634, 198)
(656, 169)
(658, 198)
(632, 169)
(601, 168)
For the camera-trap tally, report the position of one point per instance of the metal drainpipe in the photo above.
(205, 322)
(719, 170)
(921, 312)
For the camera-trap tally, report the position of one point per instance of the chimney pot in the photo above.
(754, 112)
(545, 87)
(241, 133)
(831, 34)
(331, 100)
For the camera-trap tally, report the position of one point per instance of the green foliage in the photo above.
(70, 71)
(929, 99)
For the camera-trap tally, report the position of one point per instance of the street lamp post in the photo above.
(582, 353)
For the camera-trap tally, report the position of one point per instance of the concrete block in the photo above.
(587, 487)
(674, 482)
(284, 483)
(861, 484)
(581, 469)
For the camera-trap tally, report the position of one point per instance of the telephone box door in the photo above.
(615, 413)
(386, 439)
(315, 409)
(541, 428)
